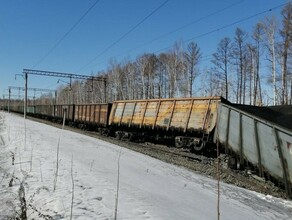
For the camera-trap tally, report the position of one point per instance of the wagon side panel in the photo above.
(150, 113)
(138, 114)
(103, 114)
(286, 147)
(268, 149)
(249, 139)
(127, 113)
(77, 113)
(233, 137)
(164, 113)
(116, 113)
(180, 113)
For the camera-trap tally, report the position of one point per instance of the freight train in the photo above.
(257, 137)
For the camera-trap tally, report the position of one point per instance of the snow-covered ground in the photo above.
(147, 188)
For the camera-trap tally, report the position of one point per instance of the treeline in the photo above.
(250, 68)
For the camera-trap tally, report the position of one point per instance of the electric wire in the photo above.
(228, 25)
(124, 35)
(184, 26)
(207, 33)
(66, 34)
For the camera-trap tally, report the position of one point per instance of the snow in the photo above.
(148, 188)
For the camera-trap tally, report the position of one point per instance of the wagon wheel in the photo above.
(131, 137)
(199, 147)
(178, 143)
(119, 135)
(107, 133)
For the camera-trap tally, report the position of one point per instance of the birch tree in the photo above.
(238, 55)
(258, 38)
(270, 29)
(146, 66)
(221, 60)
(192, 57)
(286, 33)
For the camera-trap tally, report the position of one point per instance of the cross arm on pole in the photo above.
(63, 75)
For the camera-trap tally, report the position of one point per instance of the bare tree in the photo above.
(286, 33)
(238, 55)
(192, 57)
(176, 70)
(221, 60)
(258, 38)
(251, 54)
(146, 68)
(132, 81)
(171, 64)
(211, 84)
(270, 27)
(163, 80)
(116, 81)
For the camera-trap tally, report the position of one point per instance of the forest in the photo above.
(248, 68)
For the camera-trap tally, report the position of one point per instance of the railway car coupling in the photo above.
(189, 142)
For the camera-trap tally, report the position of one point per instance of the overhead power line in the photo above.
(182, 27)
(66, 34)
(124, 35)
(214, 30)
(228, 25)
(187, 25)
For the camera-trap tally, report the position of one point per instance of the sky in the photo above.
(82, 37)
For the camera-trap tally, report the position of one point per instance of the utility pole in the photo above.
(104, 87)
(291, 90)
(9, 96)
(55, 97)
(25, 96)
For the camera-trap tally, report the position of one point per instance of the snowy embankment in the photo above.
(92, 172)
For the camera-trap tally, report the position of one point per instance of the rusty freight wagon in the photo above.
(183, 122)
(92, 116)
(59, 112)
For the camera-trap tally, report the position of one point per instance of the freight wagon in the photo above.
(89, 116)
(259, 137)
(92, 116)
(183, 122)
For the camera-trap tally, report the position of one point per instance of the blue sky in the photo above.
(31, 28)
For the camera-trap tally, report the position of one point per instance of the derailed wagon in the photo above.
(258, 137)
(183, 122)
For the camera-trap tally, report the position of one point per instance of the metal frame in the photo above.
(60, 75)
(30, 89)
